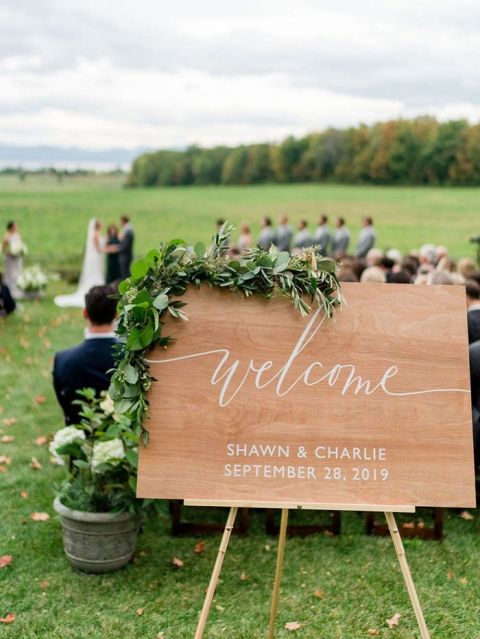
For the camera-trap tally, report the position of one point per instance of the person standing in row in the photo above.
(14, 249)
(283, 235)
(124, 248)
(366, 239)
(341, 240)
(267, 235)
(302, 239)
(322, 235)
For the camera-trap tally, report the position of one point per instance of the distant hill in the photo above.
(34, 157)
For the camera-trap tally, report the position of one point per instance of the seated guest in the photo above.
(7, 303)
(474, 352)
(473, 310)
(283, 235)
(366, 239)
(322, 235)
(400, 277)
(373, 274)
(341, 240)
(466, 266)
(386, 264)
(267, 235)
(302, 239)
(89, 363)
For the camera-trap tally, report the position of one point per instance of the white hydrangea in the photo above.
(107, 452)
(107, 405)
(64, 436)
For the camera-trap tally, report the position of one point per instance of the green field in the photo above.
(53, 216)
(337, 588)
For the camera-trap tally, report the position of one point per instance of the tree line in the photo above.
(419, 151)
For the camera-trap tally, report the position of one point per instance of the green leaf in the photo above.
(131, 374)
(161, 301)
(140, 269)
(80, 463)
(199, 249)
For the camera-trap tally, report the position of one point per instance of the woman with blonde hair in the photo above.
(373, 274)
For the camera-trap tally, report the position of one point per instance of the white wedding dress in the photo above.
(92, 272)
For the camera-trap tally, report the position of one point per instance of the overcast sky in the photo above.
(109, 73)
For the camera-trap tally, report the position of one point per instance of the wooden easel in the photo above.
(392, 526)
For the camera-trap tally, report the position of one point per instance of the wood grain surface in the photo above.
(303, 424)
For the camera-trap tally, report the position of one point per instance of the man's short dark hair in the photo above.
(472, 289)
(267, 220)
(323, 219)
(125, 219)
(369, 220)
(10, 225)
(220, 221)
(101, 305)
(387, 263)
(400, 277)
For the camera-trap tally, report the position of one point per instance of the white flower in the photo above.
(107, 452)
(64, 436)
(32, 279)
(17, 248)
(107, 405)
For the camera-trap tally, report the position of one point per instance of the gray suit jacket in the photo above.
(283, 237)
(366, 240)
(322, 238)
(266, 238)
(340, 243)
(302, 239)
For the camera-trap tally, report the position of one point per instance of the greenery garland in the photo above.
(162, 276)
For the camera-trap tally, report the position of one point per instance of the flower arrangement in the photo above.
(33, 280)
(17, 248)
(101, 456)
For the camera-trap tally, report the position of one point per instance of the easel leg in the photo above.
(278, 572)
(215, 573)
(399, 549)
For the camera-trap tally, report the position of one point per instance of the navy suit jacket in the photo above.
(85, 365)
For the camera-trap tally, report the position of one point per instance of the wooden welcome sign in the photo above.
(257, 406)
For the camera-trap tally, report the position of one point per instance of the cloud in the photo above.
(169, 74)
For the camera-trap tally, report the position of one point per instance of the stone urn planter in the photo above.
(97, 542)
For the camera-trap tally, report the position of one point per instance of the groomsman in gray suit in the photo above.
(302, 239)
(321, 237)
(267, 235)
(283, 235)
(341, 239)
(366, 239)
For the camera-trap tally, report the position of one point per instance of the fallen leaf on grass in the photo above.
(9, 421)
(35, 464)
(373, 632)
(4, 459)
(10, 618)
(244, 577)
(24, 343)
(292, 625)
(6, 439)
(199, 547)
(176, 562)
(466, 515)
(319, 594)
(24, 494)
(47, 343)
(139, 612)
(160, 635)
(463, 581)
(39, 516)
(3, 469)
(394, 621)
(6, 560)
(450, 575)
(40, 399)
(43, 584)
(41, 441)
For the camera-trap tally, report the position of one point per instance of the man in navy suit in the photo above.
(87, 364)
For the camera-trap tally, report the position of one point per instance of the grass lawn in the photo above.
(54, 216)
(337, 588)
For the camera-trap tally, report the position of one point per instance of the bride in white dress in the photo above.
(92, 270)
